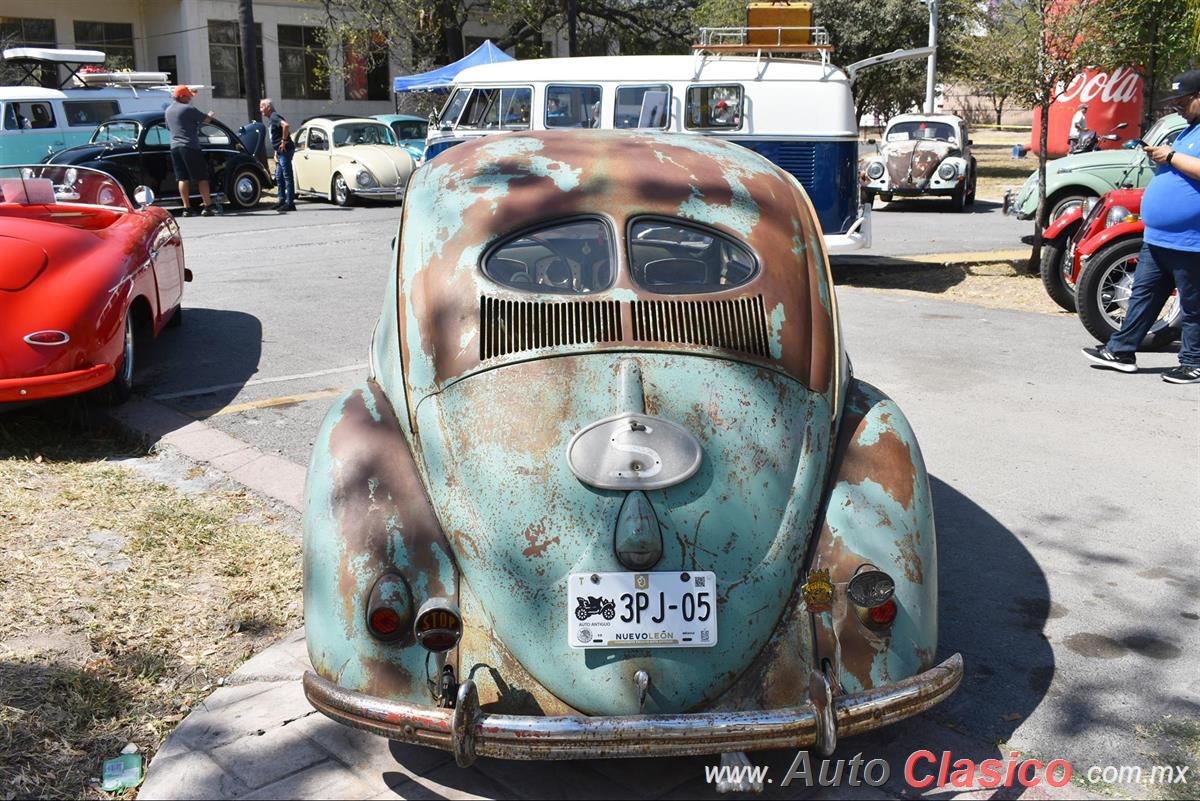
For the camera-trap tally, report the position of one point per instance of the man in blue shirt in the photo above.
(281, 143)
(1170, 256)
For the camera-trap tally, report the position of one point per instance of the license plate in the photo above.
(642, 610)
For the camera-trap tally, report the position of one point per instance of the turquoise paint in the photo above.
(494, 453)
(342, 646)
(775, 321)
(873, 524)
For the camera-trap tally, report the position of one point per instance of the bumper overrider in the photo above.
(468, 732)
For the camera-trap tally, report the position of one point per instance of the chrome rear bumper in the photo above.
(469, 732)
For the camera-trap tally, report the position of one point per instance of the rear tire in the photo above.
(176, 318)
(245, 189)
(1103, 291)
(120, 388)
(1061, 203)
(1053, 253)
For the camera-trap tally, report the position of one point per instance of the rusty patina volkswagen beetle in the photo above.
(610, 488)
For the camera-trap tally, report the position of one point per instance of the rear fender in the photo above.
(879, 512)
(1110, 235)
(366, 514)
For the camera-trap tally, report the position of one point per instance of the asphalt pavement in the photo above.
(1063, 493)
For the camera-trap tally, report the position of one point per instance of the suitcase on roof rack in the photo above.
(777, 18)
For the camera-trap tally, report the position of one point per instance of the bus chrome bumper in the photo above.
(469, 732)
(856, 238)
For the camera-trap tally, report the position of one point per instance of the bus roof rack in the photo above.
(765, 41)
(31, 58)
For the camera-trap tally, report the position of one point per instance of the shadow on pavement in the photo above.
(994, 603)
(935, 205)
(215, 350)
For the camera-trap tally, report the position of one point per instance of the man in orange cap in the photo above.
(184, 121)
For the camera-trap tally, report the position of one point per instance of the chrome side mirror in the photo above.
(143, 196)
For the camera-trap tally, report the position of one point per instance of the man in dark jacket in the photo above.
(281, 143)
(184, 121)
(1170, 257)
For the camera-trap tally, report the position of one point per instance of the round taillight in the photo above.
(884, 614)
(389, 608)
(48, 338)
(438, 626)
(385, 622)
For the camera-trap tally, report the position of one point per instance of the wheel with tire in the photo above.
(1053, 254)
(971, 181)
(1062, 203)
(339, 190)
(958, 200)
(121, 387)
(176, 318)
(245, 189)
(1102, 295)
(886, 197)
(866, 196)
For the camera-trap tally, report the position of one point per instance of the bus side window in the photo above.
(642, 107)
(88, 112)
(571, 106)
(714, 107)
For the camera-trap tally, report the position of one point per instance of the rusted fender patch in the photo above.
(366, 513)
(879, 512)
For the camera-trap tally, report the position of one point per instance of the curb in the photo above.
(933, 259)
(267, 474)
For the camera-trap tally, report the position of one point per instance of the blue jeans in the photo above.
(285, 179)
(1159, 270)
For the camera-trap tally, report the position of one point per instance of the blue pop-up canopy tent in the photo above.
(443, 77)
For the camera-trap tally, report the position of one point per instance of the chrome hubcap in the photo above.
(245, 188)
(340, 189)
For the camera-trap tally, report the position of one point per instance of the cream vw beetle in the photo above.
(921, 154)
(345, 158)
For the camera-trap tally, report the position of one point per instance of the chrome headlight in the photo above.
(947, 171)
(72, 175)
(1117, 215)
(875, 170)
(364, 179)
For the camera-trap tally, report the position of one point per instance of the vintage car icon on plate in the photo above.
(608, 436)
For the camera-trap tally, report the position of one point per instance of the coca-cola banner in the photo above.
(1111, 97)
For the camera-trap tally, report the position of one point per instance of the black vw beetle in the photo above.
(135, 149)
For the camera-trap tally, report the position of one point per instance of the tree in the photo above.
(997, 59)
(1158, 38)
(1056, 40)
(863, 28)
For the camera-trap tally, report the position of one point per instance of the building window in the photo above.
(114, 38)
(367, 75)
(299, 50)
(18, 32)
(225, 59)
(169, 65)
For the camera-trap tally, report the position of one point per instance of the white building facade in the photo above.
(197, 42)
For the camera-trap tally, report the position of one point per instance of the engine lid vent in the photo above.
(739, 324)
(512, 326)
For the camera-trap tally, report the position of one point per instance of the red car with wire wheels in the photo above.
(1089, 255)
(85, 275)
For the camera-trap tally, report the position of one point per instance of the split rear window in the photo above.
(572, 257)
(673, 258)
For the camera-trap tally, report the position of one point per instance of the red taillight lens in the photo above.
(883, 614)
(48, 338)
(385, 621)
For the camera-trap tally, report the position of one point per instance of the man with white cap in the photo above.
(1170, 257)
(184, 121)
